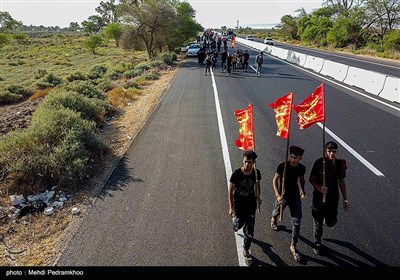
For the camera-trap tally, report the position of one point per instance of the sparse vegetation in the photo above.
(77, 96)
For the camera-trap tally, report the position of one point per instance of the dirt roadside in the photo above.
(40, 240)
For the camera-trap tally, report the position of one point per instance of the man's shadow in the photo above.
(345, 260)
(267, 249)
(337, 258)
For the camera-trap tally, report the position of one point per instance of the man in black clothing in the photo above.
(335, 172)
(292, 194)
(243, 199)
(246, 57)
(224, 56)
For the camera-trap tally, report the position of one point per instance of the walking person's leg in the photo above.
(318, 229)
(248, 231)
(296, 215)
(275, 214)
(258, 69)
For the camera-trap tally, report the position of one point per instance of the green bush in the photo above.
(20, 90)
(156, 63)
(4, 39)
(76, 76)
(143, 66)
(169, 58)
(17, 62)
(9, 98)
(53, 150)
(93, 42)
(115, 75)
(89, 108)
(50, 80)
(151, 76)
(392, 41)
(97, 71)
(40, 73)
(87, 89)
(133, 73)
(105, 85)
(21, 38)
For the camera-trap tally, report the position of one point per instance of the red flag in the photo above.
(245, 140)
(312, 109)
(233, 42)
(283, 108)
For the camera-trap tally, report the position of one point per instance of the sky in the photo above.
(209, 13)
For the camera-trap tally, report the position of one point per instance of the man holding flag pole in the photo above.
(328, 172)
(288, 174)
(244, 184)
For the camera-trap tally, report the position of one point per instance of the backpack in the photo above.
(259, 59)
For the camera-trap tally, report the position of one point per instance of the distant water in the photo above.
(258, 25)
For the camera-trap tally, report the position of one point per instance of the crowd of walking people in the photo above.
(235, 60)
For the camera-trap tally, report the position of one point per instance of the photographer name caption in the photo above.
(43, 272)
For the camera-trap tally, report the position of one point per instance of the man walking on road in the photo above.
(259, 63)
(335, 172)
(246, 57)
(244, 198)
(292, 194)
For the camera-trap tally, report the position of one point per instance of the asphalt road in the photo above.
(166, 203)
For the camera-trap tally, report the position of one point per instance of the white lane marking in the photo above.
(353, 152)
(333, 82)
(228, 167)
(225, 152)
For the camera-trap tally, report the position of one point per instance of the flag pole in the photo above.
(323, 156)
(254, 166)
(285, 164)
(323, 163)
(283, 178)
(255, 190)
(323, 153)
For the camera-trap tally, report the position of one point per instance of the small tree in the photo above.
(21, 37)
(93, 24)
(289, 27)
(113, 31)
(4, 39)
(93, 42)
(7, 23)
(345, 31)
(392, 41)
(73, 26)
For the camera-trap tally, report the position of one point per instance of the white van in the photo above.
(250, 37)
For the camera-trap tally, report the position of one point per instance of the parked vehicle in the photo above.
(268, 41)
(193, 50)
(185, 49)
(250, 37)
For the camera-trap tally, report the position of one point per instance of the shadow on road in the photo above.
(119, 179)
(336, 258)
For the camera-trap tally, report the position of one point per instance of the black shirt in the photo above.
(244, 196)
(292, 177)
(333, 173)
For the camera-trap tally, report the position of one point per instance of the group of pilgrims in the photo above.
(210, 50)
